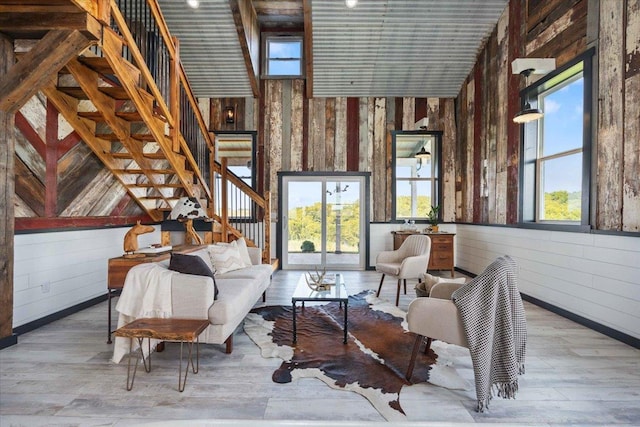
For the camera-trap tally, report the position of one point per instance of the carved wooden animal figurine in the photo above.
(131, 239)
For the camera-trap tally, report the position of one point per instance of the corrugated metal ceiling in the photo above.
(417, 48)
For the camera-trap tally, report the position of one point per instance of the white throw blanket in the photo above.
(494, 323)
(146, 293)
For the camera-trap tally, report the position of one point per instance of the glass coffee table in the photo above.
(336, 292)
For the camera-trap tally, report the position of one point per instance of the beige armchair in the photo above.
(409, 261)
(435, 317)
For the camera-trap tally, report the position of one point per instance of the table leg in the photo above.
(109, 318)
(346, 306)
(183, 383)
(293, 303)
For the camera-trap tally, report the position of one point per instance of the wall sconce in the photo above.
(229, 114)
(526, 67)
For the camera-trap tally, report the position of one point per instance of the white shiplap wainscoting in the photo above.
(57, 270)
(595, 276)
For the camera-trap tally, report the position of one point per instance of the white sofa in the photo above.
(238, 291)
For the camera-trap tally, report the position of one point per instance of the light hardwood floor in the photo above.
(61, 374)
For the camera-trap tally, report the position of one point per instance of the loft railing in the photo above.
(150, 46)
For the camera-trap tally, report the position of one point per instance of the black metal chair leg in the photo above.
(380, 287)
(398, 293)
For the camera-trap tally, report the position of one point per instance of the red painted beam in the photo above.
(51, 162)
(30, 134)
(67, 143)
(353, 134)
(43, 224)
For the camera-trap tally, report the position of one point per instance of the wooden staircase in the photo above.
(144, 125)
(126, 132)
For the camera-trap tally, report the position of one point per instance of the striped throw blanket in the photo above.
(494, 322)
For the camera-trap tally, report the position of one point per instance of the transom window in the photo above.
(416, 179)
(556, 155)
(283, 56)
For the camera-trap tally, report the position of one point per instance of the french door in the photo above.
(323, 221)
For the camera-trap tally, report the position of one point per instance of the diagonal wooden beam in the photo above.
(246, 20)
(67, 106)
(39, 66)
(308, 47)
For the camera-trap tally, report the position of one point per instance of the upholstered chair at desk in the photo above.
(409, 261)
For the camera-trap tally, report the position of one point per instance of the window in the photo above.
(416, 180)
(556, 148)
(283, 56)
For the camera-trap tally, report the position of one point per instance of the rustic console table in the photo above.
(441, 257)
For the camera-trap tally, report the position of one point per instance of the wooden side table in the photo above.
(441, 257)
(179, 330)
(120, 266)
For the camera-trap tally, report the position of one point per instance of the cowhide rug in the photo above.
(374, 361)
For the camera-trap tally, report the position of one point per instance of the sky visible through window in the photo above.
(562, 124)
(285, 57)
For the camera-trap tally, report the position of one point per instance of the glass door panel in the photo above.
(323, 222)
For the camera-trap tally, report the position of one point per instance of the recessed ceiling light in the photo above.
(193, 3)
(351, 3)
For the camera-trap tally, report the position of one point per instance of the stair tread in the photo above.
(126, 155)
(115, 92)
(98, 64)
(148, 185)
(142, 172)
(146, 137)
(74, 91)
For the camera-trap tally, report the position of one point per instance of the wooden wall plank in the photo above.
(28, 154)
(297, 100)
(75, 172)
(340, 154)
(433, 114)
(408, 113)
(275, 142)
(215, 114)
(7, 190)
(353, 133)
(467, 179)
(504, 69)
(28, 187)
(379, 159)
(610, 132)
(631, 192)
(287, 99)
(448, 161)
(516, 34)
(329, 133)
(420, 109)
(365, 109)
(317, 134)
(30, 134)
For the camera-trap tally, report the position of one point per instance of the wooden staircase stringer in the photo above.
(88, 81)
(112, 47)
(67, 106)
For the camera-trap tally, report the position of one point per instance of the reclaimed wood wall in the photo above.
(489, 143)
(57, 176)
(618, 149)
(296, 133)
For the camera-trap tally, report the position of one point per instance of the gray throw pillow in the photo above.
(192, 264)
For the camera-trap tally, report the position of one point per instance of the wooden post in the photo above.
(266, 255)
(7, 190)
(224, 206)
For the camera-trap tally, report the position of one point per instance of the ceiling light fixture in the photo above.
(351, 3)
(193, 3)
(423, 154)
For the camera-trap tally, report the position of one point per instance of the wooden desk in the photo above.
(120, 266)
(180, 330)
(441, 257)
